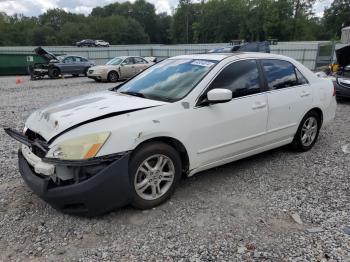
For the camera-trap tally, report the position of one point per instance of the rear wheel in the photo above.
(154, 171)
(308, 132)
(113, 76)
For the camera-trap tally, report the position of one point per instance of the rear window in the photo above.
(279, 74)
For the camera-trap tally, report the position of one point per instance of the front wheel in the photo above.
(308, 132)
(54, 73)
(113, 76)
(154, 171)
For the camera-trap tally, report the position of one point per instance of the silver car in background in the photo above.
(122, 67)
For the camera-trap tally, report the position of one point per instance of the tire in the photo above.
(308, 132)
(86, 71)
(113, 76)
(149, 194)
(54, 73)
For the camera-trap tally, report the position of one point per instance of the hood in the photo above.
(43, 53)
(59, 117)
(343, 56)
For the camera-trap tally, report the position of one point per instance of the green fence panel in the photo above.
(17, 64)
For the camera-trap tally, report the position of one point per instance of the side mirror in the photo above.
(219, 95)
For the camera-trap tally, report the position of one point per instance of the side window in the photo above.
(129, 61)
(279, 74)
(68, 59)
(241, 77)
(139, 60)
(77, 59)
(301, 79)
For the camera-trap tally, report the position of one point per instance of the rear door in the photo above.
(289, 98)
(140, 65)
(80, 65)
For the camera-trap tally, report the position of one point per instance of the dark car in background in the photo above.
(57, 66)
(263, 47)
(87, 43)
(342, 81)
(92, 43)
(70, 65)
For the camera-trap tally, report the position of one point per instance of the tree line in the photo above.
(205, 22)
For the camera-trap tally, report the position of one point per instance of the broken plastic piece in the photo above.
(346, 148)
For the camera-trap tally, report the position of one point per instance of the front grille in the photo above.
(31, 135)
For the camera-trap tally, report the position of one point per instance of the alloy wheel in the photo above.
(309, 131)
(154, 177)
(113, 77)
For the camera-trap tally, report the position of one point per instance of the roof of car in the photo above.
(222, 56)
(123, 57)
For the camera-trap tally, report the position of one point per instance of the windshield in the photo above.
(169, 80)
(114, 61)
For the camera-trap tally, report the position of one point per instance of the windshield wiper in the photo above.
(133, 93)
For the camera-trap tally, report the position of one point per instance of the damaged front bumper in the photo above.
(85, 187)
(104, 191)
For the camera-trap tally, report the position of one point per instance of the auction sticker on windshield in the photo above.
(202, 63)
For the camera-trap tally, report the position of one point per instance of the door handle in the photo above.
(258, 105)
(304, 93)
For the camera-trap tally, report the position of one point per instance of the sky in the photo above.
(37, 7)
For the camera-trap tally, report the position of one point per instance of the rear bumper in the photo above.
(107, 190)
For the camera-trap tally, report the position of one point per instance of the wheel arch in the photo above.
(113, 70)
(318, 111)
(176, 144)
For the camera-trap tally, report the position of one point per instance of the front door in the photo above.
(127, 68)
(225, 130)
(68, 65)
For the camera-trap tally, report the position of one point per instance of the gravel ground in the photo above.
(238, 212)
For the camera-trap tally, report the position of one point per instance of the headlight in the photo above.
(344, 81)
(84, 147)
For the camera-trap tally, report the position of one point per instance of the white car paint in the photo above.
(101, 43)
(212, 135)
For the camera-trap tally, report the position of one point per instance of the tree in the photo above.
(337, 16)
(183, 20)
(302, 9)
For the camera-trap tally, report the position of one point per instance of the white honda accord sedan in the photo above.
(131, 144)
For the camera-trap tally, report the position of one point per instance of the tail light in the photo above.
(334, 88)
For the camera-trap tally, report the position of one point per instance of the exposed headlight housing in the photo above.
(81, 148)
(343, 81)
